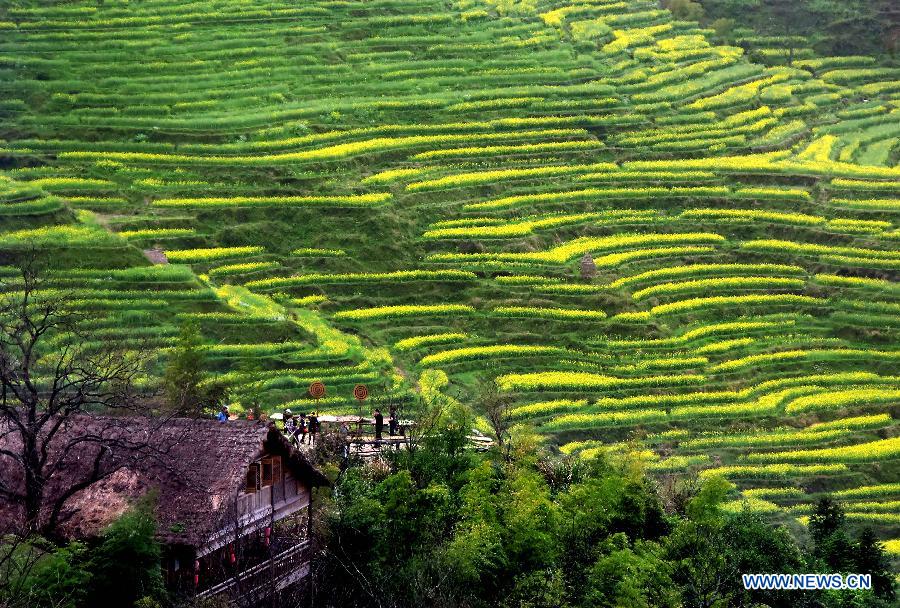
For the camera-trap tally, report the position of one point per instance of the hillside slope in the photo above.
(634, 233)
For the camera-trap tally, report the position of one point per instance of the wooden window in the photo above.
(252, 478)
(266, 472)
(276, 469)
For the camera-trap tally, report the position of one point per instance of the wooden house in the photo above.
(233, 499)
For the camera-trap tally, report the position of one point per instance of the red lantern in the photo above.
(196, 573)
(232, 556)
(268, 536)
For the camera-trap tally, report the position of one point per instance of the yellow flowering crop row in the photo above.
(460, 180)
(605, 419)
(546, 147)
(879, 204)
(809, 355)
(631, 38)
(892, 546)
(354, 200)
(740, 94)
(391, 175)
(693, 270)
(549, 313)
(840, 183)
(772, 470)
(610, 173)
(314, 252)
(842, 399)
(391, 312)
(525, 279)
(544, 408)
(855, 422)
(873, 451)
(519, 228)
(878, 285)
(754, 215)
(398, 276)
(487, 352)
(578, 247)
(720, 283)
(54, 184)
(245, 268)
(556, 381)
(429, 340)
(787, 437)
(60, 236)
(774, 493)
(610, 404)
(750, 503)
(873, 491)
(193, 256)
(696, 304)
(616, 259)
(333, 152)
(158, 233)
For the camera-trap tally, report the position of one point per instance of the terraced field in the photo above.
(641, 237)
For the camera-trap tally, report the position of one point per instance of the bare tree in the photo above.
(53, 375)
(496, 409)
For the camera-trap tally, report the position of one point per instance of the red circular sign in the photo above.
(360, 392)
(317, 390)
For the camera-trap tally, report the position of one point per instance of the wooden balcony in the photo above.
(260, 581)
(258, 510)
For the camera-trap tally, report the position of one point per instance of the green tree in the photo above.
(696, 546)
(37, 574)
(538, 589)
(756, 546)
(686, 9)
(126, 563)
(869, 558)
(633, 576)
(827, 528)
(185, 393)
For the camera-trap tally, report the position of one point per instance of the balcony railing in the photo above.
(267, 577)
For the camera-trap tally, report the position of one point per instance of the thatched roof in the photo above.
(197, 467)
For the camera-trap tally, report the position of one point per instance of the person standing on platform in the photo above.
(313, 427)
(302, 427)
(379, 424)
(392, 420)
(290, 426)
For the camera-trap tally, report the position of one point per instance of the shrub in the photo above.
(125, 566)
